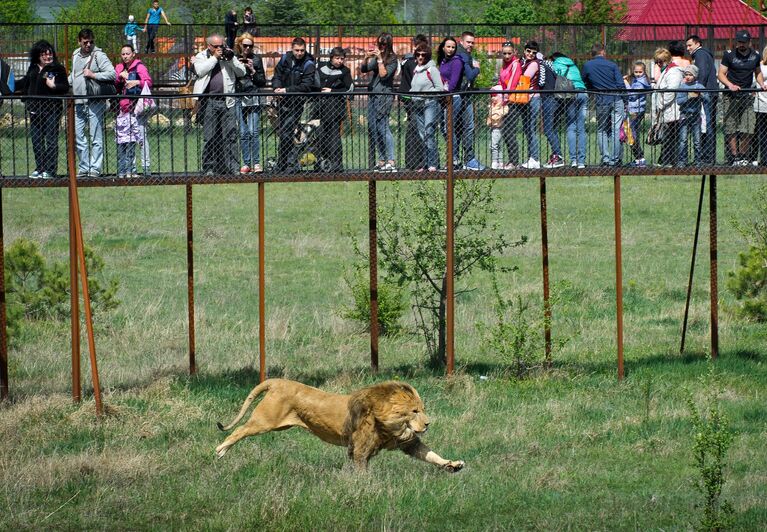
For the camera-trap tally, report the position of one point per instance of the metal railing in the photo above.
(176, 44)
(326, 136)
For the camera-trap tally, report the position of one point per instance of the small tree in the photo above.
(749, 282)
(412, 247)
(712, 438)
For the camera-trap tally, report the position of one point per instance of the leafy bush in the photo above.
(391, 304)
(517, 332)
(36, 290)
(712, 438)
(749, 282)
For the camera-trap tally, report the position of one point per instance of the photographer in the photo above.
(248, 109)
(217, 69)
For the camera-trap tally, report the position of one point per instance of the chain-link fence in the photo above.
(350, 136)
(167, 57)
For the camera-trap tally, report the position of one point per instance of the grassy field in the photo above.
(569, 448)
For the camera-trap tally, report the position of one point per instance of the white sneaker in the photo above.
(497, 165)
(532, 164)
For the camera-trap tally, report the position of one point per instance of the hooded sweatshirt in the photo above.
(426, 78)
(564, 66)
(638, 100)
(141, 73)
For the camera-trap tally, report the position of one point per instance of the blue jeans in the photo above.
(426, 115)
(457, 105)
(381, 139)
(126, 153)
(249, 118)
(689, 124)
(577, 109)
(465, 129)
(550, 105)
(609, 118)
(90, 151)
(530, 114)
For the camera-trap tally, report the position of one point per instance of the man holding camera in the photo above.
(217, 69)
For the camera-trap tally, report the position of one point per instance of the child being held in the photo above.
(496, 113)
(690, 108)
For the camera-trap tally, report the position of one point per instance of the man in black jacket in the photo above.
(704, 60)
(334, 77)
(294, 73)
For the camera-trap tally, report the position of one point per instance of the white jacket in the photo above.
(671, 78)
(231, 70)
(760, 102)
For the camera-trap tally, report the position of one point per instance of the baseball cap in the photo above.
(692, 69)
(742, 36)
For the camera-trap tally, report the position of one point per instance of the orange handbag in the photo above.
(521, 97)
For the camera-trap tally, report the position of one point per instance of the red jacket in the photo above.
(137, 66)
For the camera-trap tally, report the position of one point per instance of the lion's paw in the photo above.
(220, 451)
(453, 466)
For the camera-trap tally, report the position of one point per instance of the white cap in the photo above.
(130, 18)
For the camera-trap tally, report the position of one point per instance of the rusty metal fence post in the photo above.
(449, 244)
(3, 317)
(545, 261)
(190, 278)
(74, 207)
(714, 268)
(618, 274)
(373, 267)
(261, 285)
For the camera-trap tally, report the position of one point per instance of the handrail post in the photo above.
(74, 288)
(373, 268)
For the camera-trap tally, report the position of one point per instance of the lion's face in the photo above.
(405, 417)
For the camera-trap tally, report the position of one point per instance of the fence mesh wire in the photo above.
(350, 136)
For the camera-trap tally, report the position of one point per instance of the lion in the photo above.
(389, 415)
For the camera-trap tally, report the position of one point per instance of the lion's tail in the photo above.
(258, 390)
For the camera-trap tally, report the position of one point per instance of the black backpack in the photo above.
(562, 83)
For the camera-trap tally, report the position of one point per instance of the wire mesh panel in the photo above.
(170, 139)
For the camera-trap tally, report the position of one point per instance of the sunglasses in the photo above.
(87, 42)
(529, 51)
(217, 45)
(247, 45)
(507, 43)
(507, 53)
(421, 54)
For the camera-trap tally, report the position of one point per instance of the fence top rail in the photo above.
(405, 25)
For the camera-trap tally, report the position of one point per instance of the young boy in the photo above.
(690, 106)
(130, 32)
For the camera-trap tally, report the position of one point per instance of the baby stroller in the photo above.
(305, 138)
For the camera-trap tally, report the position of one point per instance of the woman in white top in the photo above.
(425, 110)
(664, 106)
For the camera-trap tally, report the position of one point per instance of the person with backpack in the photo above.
(549, 109)
(531, 67)
(382, 62)
(294, 73)
(45, 77)
(425, 109)
(414, 149)
(576, 107)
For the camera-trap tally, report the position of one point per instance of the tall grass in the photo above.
(569, 448)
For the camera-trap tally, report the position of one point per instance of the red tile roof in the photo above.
(651, 13)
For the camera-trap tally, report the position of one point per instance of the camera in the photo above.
(227, 54)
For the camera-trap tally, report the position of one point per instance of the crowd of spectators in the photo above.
(678, 95)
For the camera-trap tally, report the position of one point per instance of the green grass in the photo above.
(569, 448)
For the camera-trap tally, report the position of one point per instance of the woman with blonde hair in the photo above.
(664, 105)
(248, 108)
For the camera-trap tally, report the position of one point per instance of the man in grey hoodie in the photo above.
(88, 61)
